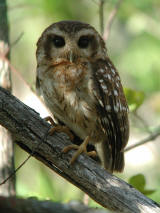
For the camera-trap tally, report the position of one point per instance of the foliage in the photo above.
(139, 182)
(134, 98)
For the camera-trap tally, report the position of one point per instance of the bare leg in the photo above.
(59, 128)
(80, 149)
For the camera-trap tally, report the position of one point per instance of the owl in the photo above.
(83, 90)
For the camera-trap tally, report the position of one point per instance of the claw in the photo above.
(80, 149)
(59, 128)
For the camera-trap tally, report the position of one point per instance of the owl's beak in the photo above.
(71, 58)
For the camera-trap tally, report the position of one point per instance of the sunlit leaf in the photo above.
(134, 98)
(139, 182)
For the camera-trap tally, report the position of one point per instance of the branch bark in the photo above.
(19, 205)
(29, 132)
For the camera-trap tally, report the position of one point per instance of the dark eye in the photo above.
(83, 41)
(58, 41)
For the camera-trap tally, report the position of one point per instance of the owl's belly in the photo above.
(76, 114)
(76, 109)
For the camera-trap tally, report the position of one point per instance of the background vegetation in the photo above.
(134, 47)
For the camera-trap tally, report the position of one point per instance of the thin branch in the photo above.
(13, 69)
(15, 171)
(151, 137)
(28, 130)
(101, 16)
(25, 161)
(143, 122)
(17, 39)
(111, 19)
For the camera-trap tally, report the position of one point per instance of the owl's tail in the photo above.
(109, 162)
(119, 162)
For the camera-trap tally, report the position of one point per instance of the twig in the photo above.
(25, 161)
(110, 20)
(17, 39)
(13, 69)
(28, 130)
(101, 16)
(15, 171)
(152, 137)
(143, 122)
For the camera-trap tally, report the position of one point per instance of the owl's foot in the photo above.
(59, 128)
(80, 149)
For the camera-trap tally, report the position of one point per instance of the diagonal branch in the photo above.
(151, 137)
(28, 130)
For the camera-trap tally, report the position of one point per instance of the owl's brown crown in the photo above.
(70, 26)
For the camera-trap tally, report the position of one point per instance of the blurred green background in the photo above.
(134, 47)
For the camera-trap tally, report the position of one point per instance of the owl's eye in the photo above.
(83, 41)
(58, 41)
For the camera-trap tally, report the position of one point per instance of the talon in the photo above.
(50, 119)
(69, 147)
(59, 128)
(80, 149)
(92, 154)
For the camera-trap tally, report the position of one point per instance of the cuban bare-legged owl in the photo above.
(82, 89)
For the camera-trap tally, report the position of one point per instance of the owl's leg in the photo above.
(80, 149)
(58, 128)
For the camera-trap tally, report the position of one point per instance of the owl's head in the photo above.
(70, 41)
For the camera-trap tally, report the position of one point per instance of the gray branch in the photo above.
(30, 131)
(31, 205)
(151, 137)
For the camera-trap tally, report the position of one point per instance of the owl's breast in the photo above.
(68, 94)
(68, 75)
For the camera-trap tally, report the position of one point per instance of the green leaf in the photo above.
(138, 181)
(134, 98)
(148, 192)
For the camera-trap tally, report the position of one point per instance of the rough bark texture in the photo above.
(30, 131)
(6, 145)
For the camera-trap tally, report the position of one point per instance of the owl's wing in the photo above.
(38, 86)
(113, 112)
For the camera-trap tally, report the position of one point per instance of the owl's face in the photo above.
(69, 41)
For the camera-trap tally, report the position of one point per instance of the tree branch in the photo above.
(142, 121)
(151, 137)
(29, 131)
(111, 19)
(101, 16)
(19, 205)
